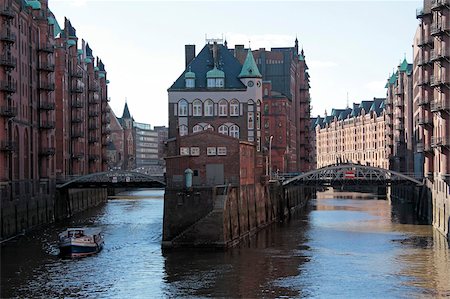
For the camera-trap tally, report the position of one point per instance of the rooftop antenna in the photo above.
(249, 44)
(347, 100)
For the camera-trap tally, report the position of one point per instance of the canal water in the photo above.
(346, 245)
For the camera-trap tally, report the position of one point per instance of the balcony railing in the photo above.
(94, 139)
(7, 12)
(48, 86)
(77, 89)
(47, 125)
(8, 61)
(94, 87)
(46, 67)
(423, 41)
(93, 158)
(441, 105)
(47, 151)
(77, 134)
(7, 146)
(423, 121)
(8, 111)
(77, 119)
(399, 103)
(441, 54)
(441, 80)
(77, 104)
(7, 36)
(399, 127)
(46, 48)
(8, 86)
(439, 29)
(422, 101)
(77, 74)
(439, 4)
(440, 141)
(78, 156)
(47, 106)
(423, 81)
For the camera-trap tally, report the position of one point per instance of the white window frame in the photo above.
(234, 107)
(209, 107)
(195, 151)
(184, 151)
(183, 130)
(223, 129)
(234, 131)
(220, 82)
(197, 108)
(190, 83)
(223, 107)
(211, 151)
(183, 108)
(221, 151)
(208, 127)
(197, 128)
(211, 82)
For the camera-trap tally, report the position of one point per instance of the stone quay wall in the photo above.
(221, 217)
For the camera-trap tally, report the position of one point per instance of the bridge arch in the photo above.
(112, 179)
(355, 173)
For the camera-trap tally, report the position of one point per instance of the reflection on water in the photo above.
(348, 245)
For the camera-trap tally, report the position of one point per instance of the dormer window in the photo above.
(215, 78)
(189, 78)
(190, 83)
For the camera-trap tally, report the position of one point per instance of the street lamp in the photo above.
(270, 157)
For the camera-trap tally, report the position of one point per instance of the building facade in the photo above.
(82, 109)
(432, 103)
(353, 135)
(49, 93)
(217, 93)
(286, 69)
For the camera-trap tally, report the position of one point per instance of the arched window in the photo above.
(183, 130)
(182, 108)
(234, 108)
(197, 108)
(197, 128)
(208, 127)
(223, 129)
(234, 131)
(223, 108)
(209, 108)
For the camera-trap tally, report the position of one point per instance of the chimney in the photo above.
(189, 53)
(239, 53)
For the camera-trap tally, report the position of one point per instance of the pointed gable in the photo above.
(249, 68)
(126, 113)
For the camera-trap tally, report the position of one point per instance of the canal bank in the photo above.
(221, 216)
(23, 214)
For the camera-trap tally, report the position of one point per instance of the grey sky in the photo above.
(350, 47)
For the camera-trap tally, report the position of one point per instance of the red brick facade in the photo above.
(199, 151)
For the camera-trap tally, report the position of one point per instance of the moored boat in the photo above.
(76, 242)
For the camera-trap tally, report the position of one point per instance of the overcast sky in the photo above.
(350, 47)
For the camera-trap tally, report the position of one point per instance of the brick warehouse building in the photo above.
(216, 93)
(38, 108)
(432, 104)
(286, 69)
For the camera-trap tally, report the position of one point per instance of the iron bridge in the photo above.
(112, 179)
(351, 174)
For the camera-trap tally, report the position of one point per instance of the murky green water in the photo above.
(342, 247)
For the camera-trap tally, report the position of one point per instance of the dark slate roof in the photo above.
(69, 29)
(204, 62)
(126, 113)
(366, 105)
(100, 65)
(88, 51)
(344, 114)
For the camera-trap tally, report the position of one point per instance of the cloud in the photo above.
(321, 64)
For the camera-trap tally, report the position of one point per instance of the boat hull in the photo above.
(78, 250)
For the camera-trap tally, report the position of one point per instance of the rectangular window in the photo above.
(211, 151)
(195, 151)
(221, 151)
(184, 151)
